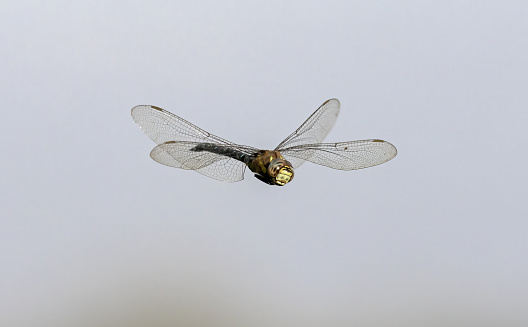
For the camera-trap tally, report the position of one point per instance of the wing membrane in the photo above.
(314, 129)
(344, 155)
(181, 155)
(162, 126)
(176, 137)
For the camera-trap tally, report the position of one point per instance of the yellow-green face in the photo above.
(284, 176)
(280, 171)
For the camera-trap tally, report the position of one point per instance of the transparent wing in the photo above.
(162, 126)
(176, 137)
(180, 155)
(343, 155)
(314, 129)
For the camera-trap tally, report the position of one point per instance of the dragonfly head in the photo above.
(280, 171)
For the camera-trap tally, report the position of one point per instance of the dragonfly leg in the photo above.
(264, 179)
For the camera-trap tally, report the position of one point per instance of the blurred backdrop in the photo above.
(95, 233)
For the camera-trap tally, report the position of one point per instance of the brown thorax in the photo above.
(271, 168)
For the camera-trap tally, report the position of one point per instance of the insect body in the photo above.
(268, 166)
(183, 145)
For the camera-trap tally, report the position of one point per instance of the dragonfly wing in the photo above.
(314, 129)
(344, 155)
(162, 126)
(180, 155)
(176, 138)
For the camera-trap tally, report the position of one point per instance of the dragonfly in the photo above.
(181, 144)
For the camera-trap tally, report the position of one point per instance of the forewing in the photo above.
(180, 155)
(162, 126)
(176, 137)
(344, 155)
(314, 129)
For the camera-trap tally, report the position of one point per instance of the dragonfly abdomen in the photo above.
(221, 150)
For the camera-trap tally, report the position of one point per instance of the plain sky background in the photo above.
(95, 233)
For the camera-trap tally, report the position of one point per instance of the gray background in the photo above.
(95, 233)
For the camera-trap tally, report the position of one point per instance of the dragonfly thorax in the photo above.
(271, 168)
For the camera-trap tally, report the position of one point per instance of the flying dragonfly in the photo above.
(186, 146)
